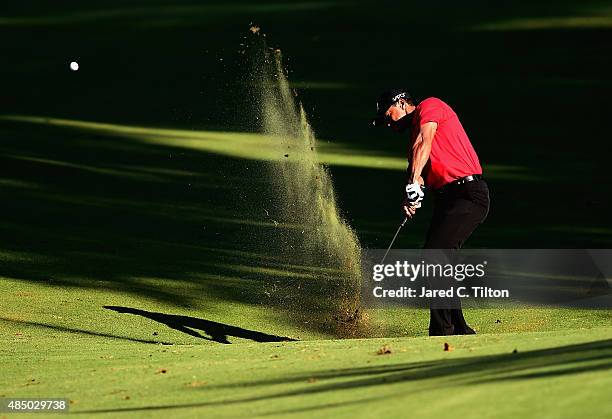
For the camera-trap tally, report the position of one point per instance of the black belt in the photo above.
(460, 181)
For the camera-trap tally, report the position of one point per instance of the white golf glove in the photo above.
(414, 194)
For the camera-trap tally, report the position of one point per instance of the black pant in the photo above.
(458, 210)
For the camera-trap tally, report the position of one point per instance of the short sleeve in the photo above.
(431, 110)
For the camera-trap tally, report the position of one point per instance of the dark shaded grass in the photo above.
(105, 211)
(533, 99)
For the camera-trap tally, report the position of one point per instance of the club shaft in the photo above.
(393, 241)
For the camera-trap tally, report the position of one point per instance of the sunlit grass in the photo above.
(235, 144)
(566, 22)
(321, 85)
(160, 13)
(244, 146)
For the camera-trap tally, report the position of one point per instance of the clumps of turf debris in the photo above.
(384, 350)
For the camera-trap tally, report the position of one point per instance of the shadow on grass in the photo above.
(80, 331)
(165, 221)
(81, 209)
(218, 332)
(542, 363)
(175, 224)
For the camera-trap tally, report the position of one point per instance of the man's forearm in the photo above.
(420, 155)
(421, 149)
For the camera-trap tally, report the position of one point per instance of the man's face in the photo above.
(397, 117)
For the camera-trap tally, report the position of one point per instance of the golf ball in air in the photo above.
(74, 66)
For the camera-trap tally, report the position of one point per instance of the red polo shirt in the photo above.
(452, 155)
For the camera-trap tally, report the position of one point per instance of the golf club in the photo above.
(393, 241)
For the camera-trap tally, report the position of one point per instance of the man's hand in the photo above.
(414, 193)
(414, 196)
(410, 209)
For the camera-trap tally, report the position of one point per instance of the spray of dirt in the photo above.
(312, 232)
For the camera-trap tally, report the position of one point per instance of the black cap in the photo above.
(384, 102)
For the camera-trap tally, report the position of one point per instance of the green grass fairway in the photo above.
(141, 271)
(177, 293)
(562, 374)
(61, 341)
(182, 288)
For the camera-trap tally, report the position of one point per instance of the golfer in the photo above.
(441, 159)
